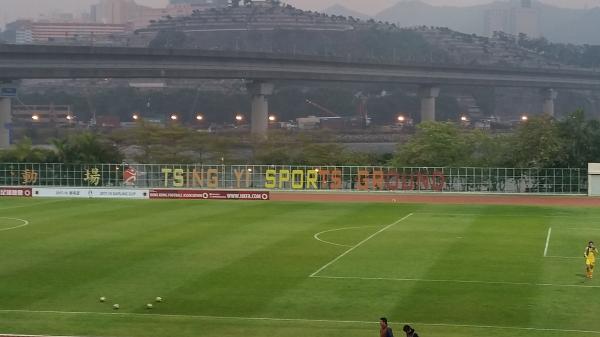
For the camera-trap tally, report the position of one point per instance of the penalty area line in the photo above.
(300, 320)
(456, 281)
(358, 245)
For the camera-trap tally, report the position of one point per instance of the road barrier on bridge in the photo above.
(296, 178)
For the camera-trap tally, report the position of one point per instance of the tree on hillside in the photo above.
(87, 148)
(283, 149)
(489, 150)
(157, 144)
(537, 143)
(24, 152)
(435, 144)
(580, 140)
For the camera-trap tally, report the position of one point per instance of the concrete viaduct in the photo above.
(69, 62)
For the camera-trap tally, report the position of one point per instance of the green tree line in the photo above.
(541, 142)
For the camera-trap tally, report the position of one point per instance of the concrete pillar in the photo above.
(259, 120)
(5, 121)
(549, 97)
(428, 95)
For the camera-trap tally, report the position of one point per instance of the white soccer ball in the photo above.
(149, 306)
(159, 299)
(116, 306)
(102, 299)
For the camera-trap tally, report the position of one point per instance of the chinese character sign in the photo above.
(29, 177)
(92, 177)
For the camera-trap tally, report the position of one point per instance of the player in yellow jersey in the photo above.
(591, 252)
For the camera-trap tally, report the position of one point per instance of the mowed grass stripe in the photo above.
(252, 260)
(569, 243)
(282, 322)
(15, 203)
(270, 272)
(108, 250)
(471, 255)
(126, 241)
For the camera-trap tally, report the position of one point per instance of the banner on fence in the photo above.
(296, 178)
(209, 195)
(91, 193)
(15, 192)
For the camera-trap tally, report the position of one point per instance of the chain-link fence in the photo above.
(278, 177)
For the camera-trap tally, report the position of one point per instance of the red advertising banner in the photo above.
(15, 192)
(209, 195)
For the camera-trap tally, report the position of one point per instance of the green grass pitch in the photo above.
(294, 269)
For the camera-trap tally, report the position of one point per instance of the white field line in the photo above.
(585, 229)
(456, 281)
(23, 224)
(563, 257)
(358, 245)
(547, 241)
(271, 319)
(15, 335)
(316, 236)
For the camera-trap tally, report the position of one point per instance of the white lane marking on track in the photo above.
(547, 241)
(455, 281)
(273, 319)
(359, 244)
(316, 236)
(23, 224)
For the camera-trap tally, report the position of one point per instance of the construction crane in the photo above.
(322, 108)
(362, 113)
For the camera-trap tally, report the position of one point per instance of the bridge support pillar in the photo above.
(428, 95)
(5, 121)
(549, 97)
(259, 120)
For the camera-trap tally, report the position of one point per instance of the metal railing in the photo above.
(294, 178)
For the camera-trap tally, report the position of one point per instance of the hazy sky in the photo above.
(13, 9)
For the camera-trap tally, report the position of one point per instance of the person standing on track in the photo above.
(590, 253)
(384, 329)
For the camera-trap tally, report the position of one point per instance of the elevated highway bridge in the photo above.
(261, 70)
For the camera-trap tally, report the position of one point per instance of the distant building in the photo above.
(204, 3)
(525, 20)
(43, 114)
(24, 36)
(27, 32)
(514, 17)
(114, 11)
(129, 12)
(496, 20)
